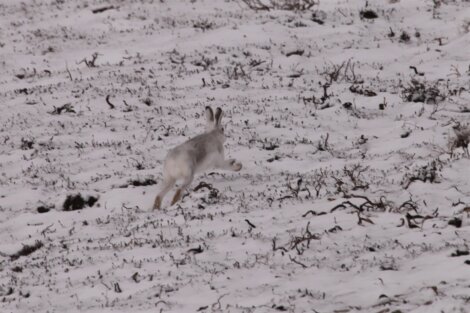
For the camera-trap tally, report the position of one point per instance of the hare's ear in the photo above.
(218, 116)
(209, 116)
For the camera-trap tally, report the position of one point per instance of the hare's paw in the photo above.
(236, 166)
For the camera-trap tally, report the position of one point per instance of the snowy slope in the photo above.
(359, 201)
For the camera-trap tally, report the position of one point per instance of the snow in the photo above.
(302, 157)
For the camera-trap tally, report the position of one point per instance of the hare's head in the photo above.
(213, 121)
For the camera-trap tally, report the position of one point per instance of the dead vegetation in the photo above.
(417, 91)
(342, 72)
(288, 5)
(140, 182)
(203, 25)
(351, 178)
(90, 62)
(78, 202)
(66, 108)
(103, 9)
(380, 205)
(27, 250)
(427, 173)
(368, 14)
(461, 140)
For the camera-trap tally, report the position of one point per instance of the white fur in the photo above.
(203, 152)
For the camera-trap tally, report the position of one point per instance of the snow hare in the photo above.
(198, 154)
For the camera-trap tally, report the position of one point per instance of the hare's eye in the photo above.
(222, 129)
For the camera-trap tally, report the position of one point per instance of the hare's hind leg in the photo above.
(230, 164)
(179, 192)
(168, 182)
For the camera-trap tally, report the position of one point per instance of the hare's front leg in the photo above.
(230, 164)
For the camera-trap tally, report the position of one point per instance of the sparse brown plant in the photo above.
(92, 61)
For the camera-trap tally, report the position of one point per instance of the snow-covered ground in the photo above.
(351, 197)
